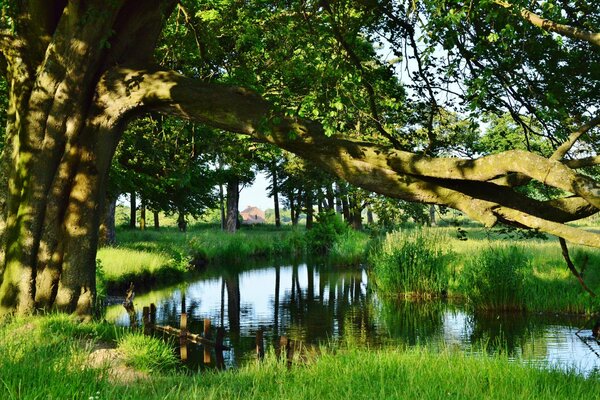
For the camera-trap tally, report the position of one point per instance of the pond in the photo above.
(315, 303)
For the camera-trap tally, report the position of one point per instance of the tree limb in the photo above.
(565, 253)
(551, 26)
(460, 184)
(573, 138)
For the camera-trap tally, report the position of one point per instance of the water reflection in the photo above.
(314, 303)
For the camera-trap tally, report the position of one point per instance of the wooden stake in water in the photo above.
(182, 338)
(206, 336)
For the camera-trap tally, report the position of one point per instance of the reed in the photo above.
(411, 263)
(493, 279)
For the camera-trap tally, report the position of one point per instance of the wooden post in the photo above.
(220, 360)
(182, 337)
(206, 336)
(146, 320)
(260, 347)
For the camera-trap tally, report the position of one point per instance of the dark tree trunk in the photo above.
(276, 197)
(231, 220)
(132, 210)
(346, 208)
(293, 211)
(355, 214)
(222, 206)
(330, 198)
(156, 220)
(182, 222)
(432, 220)
(309, 209)
(143, 214)
(370, 219)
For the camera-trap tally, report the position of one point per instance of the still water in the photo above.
(315, 304)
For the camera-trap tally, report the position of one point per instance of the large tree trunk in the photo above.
(308, 204)
(108, 235)
(233, 196)
(156, 220)
(60, 138)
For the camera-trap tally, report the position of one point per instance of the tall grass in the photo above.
(411, 262)
(148, 354)
(493, 279)
(46, 358)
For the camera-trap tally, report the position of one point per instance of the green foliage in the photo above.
(493, 278)
(411, 262)
(326, 231)
(349, 248)
(147, 353)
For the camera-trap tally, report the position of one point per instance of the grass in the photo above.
(411, 263)
(480, 268)
(148, 354)
(436, 261)
(149, 257)
(45, 358)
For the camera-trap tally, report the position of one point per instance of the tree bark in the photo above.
(108, 234)
(132, 211)
(276, 196)
(308, 204)
(233, 195)
(156, 220)
(143, 215)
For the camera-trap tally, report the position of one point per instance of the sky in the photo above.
(256, 194)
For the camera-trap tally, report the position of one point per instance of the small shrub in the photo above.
(493, 279)
(411, 262)
(325, 232)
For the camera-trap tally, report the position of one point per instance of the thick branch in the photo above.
(549, 172)
(573, 138)
(551, 26)
(583, 162)
(459, 184)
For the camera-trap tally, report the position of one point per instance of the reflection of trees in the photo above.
(412, 322)
(317, 315)
(507, 332)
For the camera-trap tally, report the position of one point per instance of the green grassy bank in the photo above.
(489, 270)
(52, 358)
(166, 256)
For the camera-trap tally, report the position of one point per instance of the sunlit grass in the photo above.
(46, 358)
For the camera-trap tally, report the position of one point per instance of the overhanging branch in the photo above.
(551, 26)
(444, 181)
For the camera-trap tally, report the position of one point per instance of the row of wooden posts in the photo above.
(286, 347)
